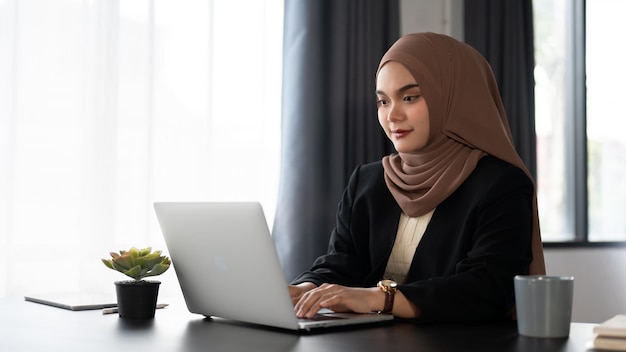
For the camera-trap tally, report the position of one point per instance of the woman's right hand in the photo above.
(296, 291)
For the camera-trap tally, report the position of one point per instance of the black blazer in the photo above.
(478, 239)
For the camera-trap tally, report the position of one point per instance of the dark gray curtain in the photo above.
(329, 121)
(503, 32)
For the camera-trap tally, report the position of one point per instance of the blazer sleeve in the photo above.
(352, 250)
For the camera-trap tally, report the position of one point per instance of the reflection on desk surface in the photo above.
(236, 336)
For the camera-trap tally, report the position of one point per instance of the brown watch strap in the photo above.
(389, 296)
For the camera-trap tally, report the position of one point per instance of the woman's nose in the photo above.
(394, 113)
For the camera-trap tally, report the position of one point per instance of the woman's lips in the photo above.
(400, 133)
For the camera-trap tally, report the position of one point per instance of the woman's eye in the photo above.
(411, 98)
(381, 102)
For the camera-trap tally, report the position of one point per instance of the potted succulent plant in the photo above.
(137, 298)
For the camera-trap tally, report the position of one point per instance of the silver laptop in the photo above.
(227, 266)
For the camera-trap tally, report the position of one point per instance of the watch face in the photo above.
(389, 283)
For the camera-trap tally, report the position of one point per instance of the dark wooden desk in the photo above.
(26, 326)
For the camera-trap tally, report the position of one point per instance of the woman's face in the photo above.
(402, 110)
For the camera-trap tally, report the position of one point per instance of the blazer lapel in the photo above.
(382, 236)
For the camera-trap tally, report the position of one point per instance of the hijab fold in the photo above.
(467, 122)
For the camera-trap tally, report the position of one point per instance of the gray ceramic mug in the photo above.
(544, 305)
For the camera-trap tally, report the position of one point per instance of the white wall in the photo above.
(599, 280)
(600, 273)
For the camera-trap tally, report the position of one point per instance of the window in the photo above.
(581, 145)
(107, 106)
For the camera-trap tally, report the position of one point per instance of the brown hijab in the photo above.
(467, 122)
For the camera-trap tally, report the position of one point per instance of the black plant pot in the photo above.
(136, 299)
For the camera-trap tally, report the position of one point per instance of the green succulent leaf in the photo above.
(119, 268)
(134, 272)
(153, 260)
(141, 261)
(134, 252)
(125, 261)
(145, 251)
(108, 263)
(158, 269)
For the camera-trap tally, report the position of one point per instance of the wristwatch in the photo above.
(389, 287)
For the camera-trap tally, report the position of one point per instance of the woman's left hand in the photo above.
(339, 299)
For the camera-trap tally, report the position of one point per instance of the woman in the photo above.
(451, 218)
